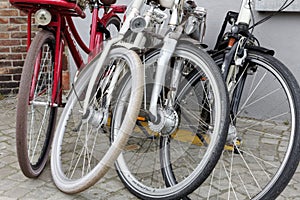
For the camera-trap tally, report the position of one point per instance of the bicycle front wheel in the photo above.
(35, 115)
(81, 152)
(168, 160)
(264, 133)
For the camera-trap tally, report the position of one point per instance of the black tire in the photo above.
(35, 117)
(142, 166)
(193, 83)
(267, 144)
(113, 25)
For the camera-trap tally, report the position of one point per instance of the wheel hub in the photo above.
(232, 135)
(94, 117)
(167, 122)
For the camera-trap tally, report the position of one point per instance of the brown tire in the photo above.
(35, 118)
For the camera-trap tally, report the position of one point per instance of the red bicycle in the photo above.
(40, 92)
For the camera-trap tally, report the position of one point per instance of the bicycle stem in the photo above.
(245, 13)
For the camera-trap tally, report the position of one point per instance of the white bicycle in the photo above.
(106, 101)
(82, 152)
(182, 84)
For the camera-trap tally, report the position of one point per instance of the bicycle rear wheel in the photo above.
(113, 25)
(81, 152)
(147, 163)
(35, 115)
(264, 136)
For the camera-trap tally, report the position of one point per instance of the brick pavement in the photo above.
(14, 185)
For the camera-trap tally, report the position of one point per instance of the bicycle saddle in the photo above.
(108, 2)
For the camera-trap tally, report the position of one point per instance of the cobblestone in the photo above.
(14, 185)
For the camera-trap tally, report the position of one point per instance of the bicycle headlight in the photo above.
(191, 25)
(43, 17)
(138, 24)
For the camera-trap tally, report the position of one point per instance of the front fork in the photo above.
(235, 74)
(169, 46)
(177, 69)
(165, 55)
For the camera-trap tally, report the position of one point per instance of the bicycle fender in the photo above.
(193, 41)
(261, 50)
(181, 40)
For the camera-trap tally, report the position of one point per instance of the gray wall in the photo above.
(281, 33)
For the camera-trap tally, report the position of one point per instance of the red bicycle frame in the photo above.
(64, 29)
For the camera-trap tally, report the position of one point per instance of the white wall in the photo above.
(281, 33)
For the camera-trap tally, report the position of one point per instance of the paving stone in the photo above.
(7, 198)
(291, 193)
(17, 192)
(60, 195)
(14, 185)
(112, 185)
(7, 185)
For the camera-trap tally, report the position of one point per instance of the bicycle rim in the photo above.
(35, 116)
(140, 166)
(82, 152)
(261, 154)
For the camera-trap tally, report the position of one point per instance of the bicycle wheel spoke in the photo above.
(82, 150)
(35, 114)
(176, 164)
(264, 133)
(39, 134)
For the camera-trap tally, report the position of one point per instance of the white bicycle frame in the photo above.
(167, 50)
(134, 12)
(245, 12)
(170, 43)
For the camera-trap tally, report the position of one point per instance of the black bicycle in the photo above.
(262, 147)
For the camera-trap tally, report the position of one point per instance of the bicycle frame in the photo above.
(240, 40)
(170, 42)
(134, 12)
(240, 26)
(65, 31)
(245, 12)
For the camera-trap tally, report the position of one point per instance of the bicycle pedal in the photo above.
(234, 147)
